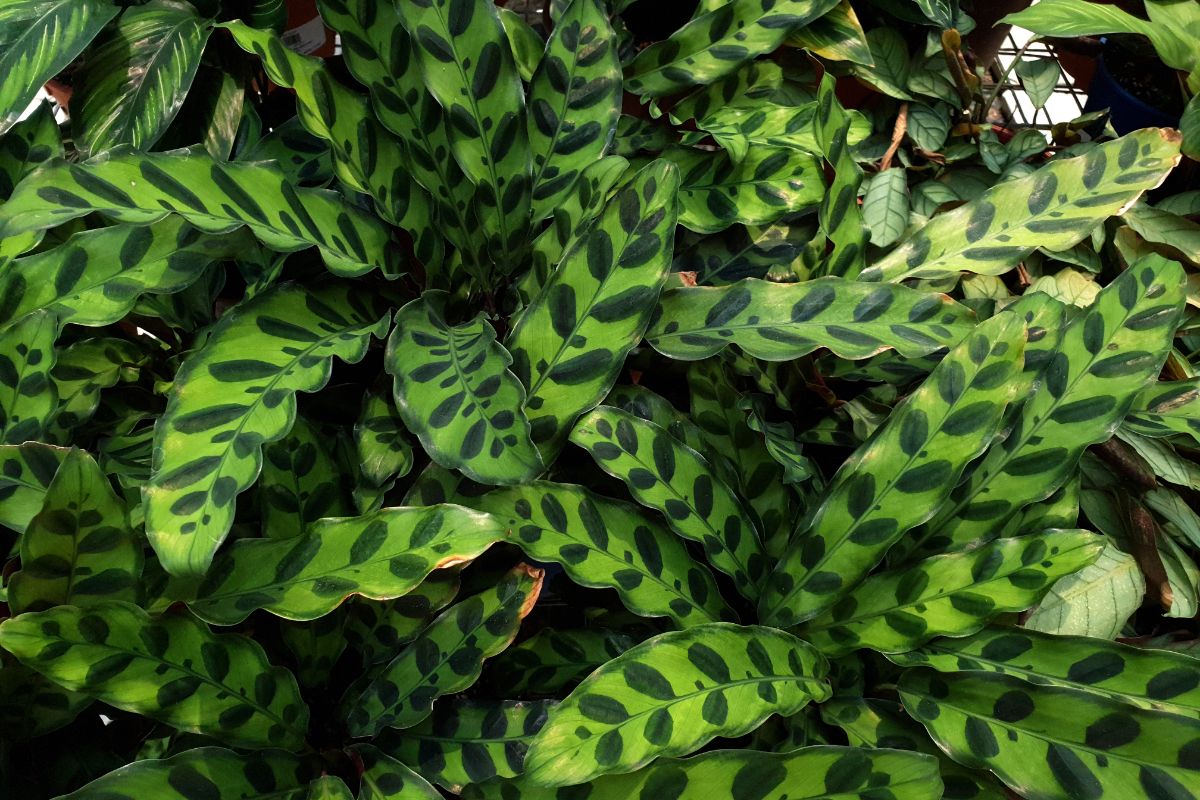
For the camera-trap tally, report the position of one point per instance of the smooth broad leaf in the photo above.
(26, 471)
(1038, 77)
(949, 595)
(385, 778)
(1096, 601)
(1167, 408)
(1176, 233)
(664, 474)
(604, 543)
(469, 741)
(32, 705)
(1046, 741)
(38, 39)
(214, 196)
(213, 773)
(571, 341)
(172, 669)
(810, 773)
(715, 44)
(889, 70)
(28, 396)
(381, 556)
(1189, 126)
(766, 184)
(1056, 207)
(885, 206)
(836, 35)
(1156, 679)
(468, 66)
(1106, 356)
(378, 629)
(902, 474)
(525, 43)
(555, 659)
(97, 276)
(574, 102)
(234, 394)
(454, 390)
(138, 75)
(300, 483)
(447, 657)
(781, 322)
(671, 695)
(80, 548)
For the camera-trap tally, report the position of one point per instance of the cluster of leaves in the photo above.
(511, 412)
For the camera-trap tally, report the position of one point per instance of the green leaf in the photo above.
(1106, 356)
(1046, 741)
(604, 543)
(1175, 232)
(213, 196)
(28, 397)
(837, 36)
(328, 787)
(571, 341)
(928, 127)
(739, 127)
(31, 705)
(574, 102)
(316, 646)
(889, 72)
(554, 659)
(885, 206)
(445, 658)
(1147, 678)
(300, 483)
(381, 441)
(469, 741)
(840, 218)
(26, 145)
(754, 80)
(381, 556)
(212, 773)
(137, 76)
(1038, 77)
(715, 44)
(781, 444)
(173, 670)
(304, 158)
(744, 252)
(526, 43)
(227, 401)
(949, 595)
(1096, 601)
(468, 66)
(26, 471)
(671, 695)
(385, 778)
(780, 322)
(378, 630)
(810, 773)
(79, 550)
(767, 184)
(1055, 207)
(454, 391)
(1189, 127)
(664, 474)
(38, 39)
(902, 474)
(84, 284)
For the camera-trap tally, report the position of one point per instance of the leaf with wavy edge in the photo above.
(378, 629)
(554, 659)
(171, 669)
(26, 145)
(234, 394)
(1167, 408)
(28, 395)
(783, 321)
(837, 36)
(385, 778)
(1054, 208)
(26, 470)
(840, 217)
(380, 439)
(381, 556)
(300, 483)
(605, 543)
(212, 195)
(672, 694)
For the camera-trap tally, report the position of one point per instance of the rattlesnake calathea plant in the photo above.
(416, 423)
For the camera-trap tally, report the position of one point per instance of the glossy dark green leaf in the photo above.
(26, 471)
(553, 660)
(300, 483)
(28, 397)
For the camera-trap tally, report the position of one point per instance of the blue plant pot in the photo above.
(1126, 112)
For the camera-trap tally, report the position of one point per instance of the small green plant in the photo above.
(522, 412)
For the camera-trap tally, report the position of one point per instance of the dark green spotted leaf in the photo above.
(38, 38)
(469, 741)
(79, 549)
(738, 126)
(303, 157)
(446, 657)
(381, 440)
(780, 322)
(385, 778)
(753, 80)
(1052, 742)
(382, 555)
(236, 393)
(574, 102)
(213, 196)
(300, 483)
(1055, 207)
(840, 217)
(26, 471)
(328, 787)
(767, 183)
(836, 36)
(1156, 679)
(715, 44)
(569, 344)
(604, 543)
(379, 629)
(172, 669)
(902, 474)
(744, 252)
(664, 474)
(1166, 408)
(455, 392)
(555, 659)
(949, 595)
(1106, 356)
(525, 43)
(137, 76)
(28, 396)
(671, 695)
(26, 145)
(211, 773)
(316, 646)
